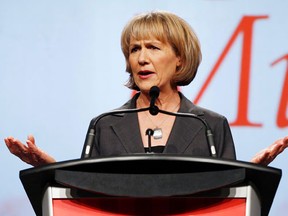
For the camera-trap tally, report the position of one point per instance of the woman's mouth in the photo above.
(145, 74)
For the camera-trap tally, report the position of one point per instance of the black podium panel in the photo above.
(153, 175)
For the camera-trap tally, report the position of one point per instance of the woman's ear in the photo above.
(179, 62)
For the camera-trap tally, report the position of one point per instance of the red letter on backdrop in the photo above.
(246, 28)
(282, 119)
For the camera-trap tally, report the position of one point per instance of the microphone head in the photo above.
(154, 92)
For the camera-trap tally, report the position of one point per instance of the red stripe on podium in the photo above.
(152, 206)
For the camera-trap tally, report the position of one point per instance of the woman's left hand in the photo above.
(267, 155)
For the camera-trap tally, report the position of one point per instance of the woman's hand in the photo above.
(29, 153)
(267, 155)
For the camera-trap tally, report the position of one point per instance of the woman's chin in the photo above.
(146, 87)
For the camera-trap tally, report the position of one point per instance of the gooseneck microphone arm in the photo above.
(209, 134)
(86, 152)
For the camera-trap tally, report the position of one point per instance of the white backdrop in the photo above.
(61, 64)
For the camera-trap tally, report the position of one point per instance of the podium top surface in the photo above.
(150, 168)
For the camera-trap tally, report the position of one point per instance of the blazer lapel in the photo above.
(127, 129)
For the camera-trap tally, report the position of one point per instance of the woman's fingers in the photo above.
(266, 156)
(31, 139)
(15, 146)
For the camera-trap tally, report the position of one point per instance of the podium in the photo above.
(151, 184)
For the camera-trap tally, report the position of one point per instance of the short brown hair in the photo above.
(166, 27)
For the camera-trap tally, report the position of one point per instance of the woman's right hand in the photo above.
(29, 153)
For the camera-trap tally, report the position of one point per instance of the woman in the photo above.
(160, 50)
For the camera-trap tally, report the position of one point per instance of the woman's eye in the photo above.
(153, 47)
(134, 49)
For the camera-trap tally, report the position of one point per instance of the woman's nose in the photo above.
(143, 57)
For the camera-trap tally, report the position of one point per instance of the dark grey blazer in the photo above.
(120, 134)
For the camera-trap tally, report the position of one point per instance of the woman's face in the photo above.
(153, 63)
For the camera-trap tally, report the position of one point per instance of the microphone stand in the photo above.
(149, 133)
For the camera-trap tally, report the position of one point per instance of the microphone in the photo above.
(154, 94)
